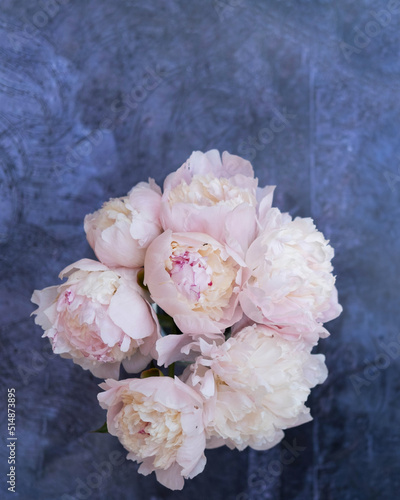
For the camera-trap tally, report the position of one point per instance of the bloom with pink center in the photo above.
(291, 287)
(196, 280)
(213, 195)
(123, 228)
(159, 420)
(100, 318)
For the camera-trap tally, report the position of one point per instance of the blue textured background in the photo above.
(82, 120)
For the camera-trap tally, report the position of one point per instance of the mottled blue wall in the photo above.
(98, 95)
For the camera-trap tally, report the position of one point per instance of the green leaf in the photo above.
(167, 323)
(103, 429)
(152, 372)
(171, 370)
(140, 280)
(228, 333)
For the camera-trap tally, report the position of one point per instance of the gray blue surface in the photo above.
(225, 70)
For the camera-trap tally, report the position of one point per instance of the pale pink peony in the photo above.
(159, 420)
(291, 287)
(99, 317)
(196, 280)
(123, 228)
(255, 385)
(216, 196)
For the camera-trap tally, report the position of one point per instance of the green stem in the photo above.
(171, 370)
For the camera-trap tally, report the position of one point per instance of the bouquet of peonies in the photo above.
(209, 276)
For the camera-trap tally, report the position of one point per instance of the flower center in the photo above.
(114, 210)
(202, 277)
(148, 432)
(207, 190)
(82, 310)
(191, 274)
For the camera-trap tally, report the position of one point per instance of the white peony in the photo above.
(291, 287)
(255, 384)
(159, 420)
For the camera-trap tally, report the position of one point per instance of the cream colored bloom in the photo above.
(255, 384)
(291, 287)
(159, 420)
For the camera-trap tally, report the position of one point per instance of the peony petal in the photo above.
(137, 362)
(171, 478)
(131, 313)
(83, 265)
(169, 348)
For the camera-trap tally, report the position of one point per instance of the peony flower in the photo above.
(123, 228)
(255, 385)
(99, 317)
(213, 195)
(196, 280)
(291, 287)
(159, 420)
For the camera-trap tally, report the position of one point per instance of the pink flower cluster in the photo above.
(248, 288)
